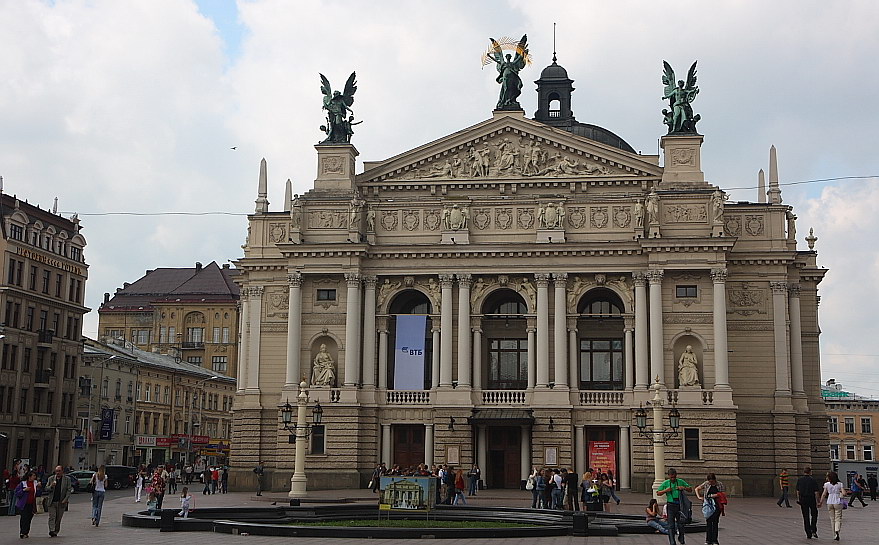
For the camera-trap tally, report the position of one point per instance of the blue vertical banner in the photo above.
(409, 352)
(106, 424)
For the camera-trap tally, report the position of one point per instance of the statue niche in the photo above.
(688, 353)
(323, 368)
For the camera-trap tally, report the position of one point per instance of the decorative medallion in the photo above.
(389, 220)
(278, 303)
(503, 218)
(683, 156)
(733, 225)
(577, 217)
(621, 216)
(754, 225)
(277, 232)
(333, 165)
(431, 219)
(746, 298)
(481, 218)
(410, 219)
(598, 217)
(526, 218)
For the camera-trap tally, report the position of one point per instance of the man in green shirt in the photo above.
(672, 488)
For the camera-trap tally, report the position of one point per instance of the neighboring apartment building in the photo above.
(507, 294)
(150, 421)
(852, 422)
(189, 312)
(42, 289)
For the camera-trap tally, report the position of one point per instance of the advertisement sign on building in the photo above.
(106, 424)
(409, 352)
(603, 456)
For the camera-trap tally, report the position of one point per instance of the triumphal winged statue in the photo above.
(338, 106)
(679, 117)
(508, 73)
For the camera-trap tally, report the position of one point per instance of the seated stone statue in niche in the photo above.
(688, 368)
(323, 373)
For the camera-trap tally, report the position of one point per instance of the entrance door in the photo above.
(408, 445)
(600, 434)
(504, 457)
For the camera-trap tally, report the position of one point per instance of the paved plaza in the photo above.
(750, 521)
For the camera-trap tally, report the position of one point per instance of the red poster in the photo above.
(603, 456)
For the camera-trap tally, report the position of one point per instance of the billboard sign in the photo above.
(407, 493)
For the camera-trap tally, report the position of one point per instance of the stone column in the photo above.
(721, 352)
(629, 357)
(464, 349)
(255, 320)
(369, 332)
(657, 339)
(386, 445)
(482, 449)
(532, 357)
(779, 319)
(560, 326)
(435, 357)
(446, 332)
(477, 359)
(574, 358)
(796, 340)
(524, 453)
(428, 444)
(625, 458)
(243, 342)
(642, 358)
(383, 356)
(352, 331)
(580, 449)
(294, 334)
(542, 330)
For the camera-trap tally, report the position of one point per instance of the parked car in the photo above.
(121, 476)
(80, 479)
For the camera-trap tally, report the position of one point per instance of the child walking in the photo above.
(185, 503)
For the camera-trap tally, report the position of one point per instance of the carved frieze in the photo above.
(754, 225)
(689, 318)
(432, 219)
(503, 218)
(622, 217)
(745, 298)
(598, 217)
(327, 219)
(323, 319)
(525, 218)
(750, 325)
(686, 213)
(577, 216)
(481, 218)
(389, 220)
(411, 219)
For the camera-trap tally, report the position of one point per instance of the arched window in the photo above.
(555, 105)
(506, 341)
(601, 341)
(410, 302)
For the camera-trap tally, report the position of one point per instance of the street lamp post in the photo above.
(299, 481)
(659, 435)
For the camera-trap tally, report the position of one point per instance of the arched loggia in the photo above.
(409, 302)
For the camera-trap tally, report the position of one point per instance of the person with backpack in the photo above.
(673, 489)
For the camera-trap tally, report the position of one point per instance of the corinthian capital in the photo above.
(447, 280)
(718, 275)
(255, 292)
(794, 290)
(464, 280)
(560, 279)
(778, 287)
(640, 278)
(353, 280)
(654, 276)
(370, 282)
(294, 280)
(542, 279)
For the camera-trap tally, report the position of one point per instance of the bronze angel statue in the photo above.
(338, 106)
(508, 73)
(679, 117)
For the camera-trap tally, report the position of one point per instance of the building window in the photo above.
(163, 334)
(850, 425)
(58, 281)
(318, 440)
(118, 389)
(195, 335)
(127, 424)
(16, 232)
(195, 360)
(130, 386)
(833, 424)
(32, 281)
(601, 364)
(138, 392)
(157, 392)
(686, 291)
(47, 279)
(216, 336)
(167, 395)
(508, 364)
(105, 387)
(868, 453)
(850, 452)
(140, 336)
(219, 363)
(691, 444)
(866, 424)
(225, 335)
(147, 392)
(75, 253)
(326, 295)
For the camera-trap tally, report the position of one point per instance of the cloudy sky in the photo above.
(132, 107)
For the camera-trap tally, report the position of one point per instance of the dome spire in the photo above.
(553, 44)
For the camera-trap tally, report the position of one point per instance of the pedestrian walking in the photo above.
(138, 486)
(11, 484)
(808, 496)
(459, 487)
(709, 492)
(185, 503)
(215, 480)
(375, 480)
(673, 489)
(873, 484)
(857, 489)
(258, 471)
(58, 488)
(783, 484)
(158, 484)
(206, 477)
(613, 487)
(187, 470)
(474, 475)
(99, 485)
(26, 493)
(224, 480)
(172, 480)
(834, 494)
(605, 491)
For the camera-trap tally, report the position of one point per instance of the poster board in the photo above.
(551, 456)
(603, 456)
(409, 352)
(402, 493)
(453, 454)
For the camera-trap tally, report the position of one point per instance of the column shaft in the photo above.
(657, 338)
(446, 332)
(255, 320)
(352, 330)
(243, 342)
(560, 323)
(482, 449)
(524, 453)
(369, 332)
(477, 359)
(580, 463)
(386, 445)
(542, 330)
(383, 359)
(428, 444)
(642, 354)
(721, 352)
(574, 358)
(464, 350)
(629, 359)
(796, 340)
(779, 317)
(532, 358)
(435, 359)
(294, 332)
(625, 471)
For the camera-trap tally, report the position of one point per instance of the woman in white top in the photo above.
(138, 486)
(833, 493)
(99, 482)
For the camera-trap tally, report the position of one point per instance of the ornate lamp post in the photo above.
(300, 429)
(659, 435)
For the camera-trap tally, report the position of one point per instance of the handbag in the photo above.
(686, 509)
(844, 503)
(90, 487)
(370, 484)
(529, 484)
(708, 508)
(40, 506)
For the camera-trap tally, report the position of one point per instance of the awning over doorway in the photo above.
(502, 416)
